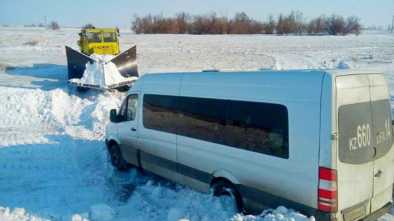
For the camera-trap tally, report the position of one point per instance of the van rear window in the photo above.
(365, 131)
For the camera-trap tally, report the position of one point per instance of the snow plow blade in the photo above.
(107, 87)
(76, 63)
(126, 62)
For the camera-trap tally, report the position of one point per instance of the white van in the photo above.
(312, 140)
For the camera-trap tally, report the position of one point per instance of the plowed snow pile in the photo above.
(102, 73)
(53, 161)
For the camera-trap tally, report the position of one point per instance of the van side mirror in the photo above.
(113, 116)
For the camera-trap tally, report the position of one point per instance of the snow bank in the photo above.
(93, 74)
(54, 112)
(112, 75)
(102, 72)
(78, 217)
(18, 214)
(101, 212)
(102, 57)
(155, 199)
(279, 214)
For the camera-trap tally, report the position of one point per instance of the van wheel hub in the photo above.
(117, 159)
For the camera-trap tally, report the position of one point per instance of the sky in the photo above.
(120, 12)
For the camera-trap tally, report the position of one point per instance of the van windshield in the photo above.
(365, 131)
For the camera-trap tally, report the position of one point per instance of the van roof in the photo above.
(301, 85)
(303, 75)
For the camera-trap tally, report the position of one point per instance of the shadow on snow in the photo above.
(45, 76)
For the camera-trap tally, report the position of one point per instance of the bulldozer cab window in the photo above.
(109, 37)
(93, 37)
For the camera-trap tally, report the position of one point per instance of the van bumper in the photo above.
(320, 216)
(378, 213)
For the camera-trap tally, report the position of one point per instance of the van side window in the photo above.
(258, 127)
(253, 126)
(202, 118)
(132, 104)
(159, 113)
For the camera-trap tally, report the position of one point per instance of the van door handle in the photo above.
(133, 129)
(378, 174)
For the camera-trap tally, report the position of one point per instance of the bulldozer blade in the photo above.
(126, 62)
(76, 63)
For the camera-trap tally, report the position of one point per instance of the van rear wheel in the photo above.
(82, 89)
(223, 188)
(117, 159)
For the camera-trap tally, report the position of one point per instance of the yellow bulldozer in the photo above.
(102, 41)
(99, 63)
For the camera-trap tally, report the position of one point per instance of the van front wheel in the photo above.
(117, 159)
(225, 189)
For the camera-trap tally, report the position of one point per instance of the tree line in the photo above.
(53, 25)
(241, 23)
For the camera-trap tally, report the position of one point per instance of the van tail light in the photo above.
(327, 194)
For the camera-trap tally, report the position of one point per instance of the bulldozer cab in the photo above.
(102, 41)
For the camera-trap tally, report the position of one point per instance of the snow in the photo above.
(93, 74)
(17, 214)
(53, 163)
(343, 65)
(112, 75)
(101, 212)
(102, 58)
(102, 73)
(279, 214)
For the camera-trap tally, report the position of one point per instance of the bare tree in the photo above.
(182, 22)
(336, 25)
(352, 25)
(298, 22)
(54, 25)
(280, 25)
(199, 25)
(269, 27)
(87, 26)
(241, 23)
(291, 24)
(317, 26)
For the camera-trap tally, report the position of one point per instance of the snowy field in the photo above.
(53, 163)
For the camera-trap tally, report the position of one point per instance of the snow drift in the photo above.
(102, 73)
